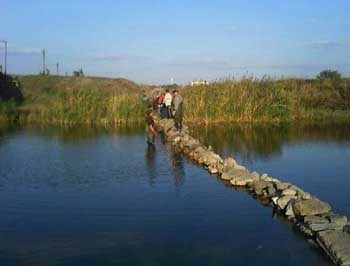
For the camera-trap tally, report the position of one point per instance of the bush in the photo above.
(329, 74)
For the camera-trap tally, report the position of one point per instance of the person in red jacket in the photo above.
(160, 104)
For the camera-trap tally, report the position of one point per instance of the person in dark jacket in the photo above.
(177, 109)
(150, 129)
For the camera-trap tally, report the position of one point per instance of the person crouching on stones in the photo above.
(177, 109)
(150, 127)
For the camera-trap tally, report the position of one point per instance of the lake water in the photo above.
(94, 196)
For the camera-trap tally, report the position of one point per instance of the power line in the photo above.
(57, 69)
(5, 67)
(44, 66)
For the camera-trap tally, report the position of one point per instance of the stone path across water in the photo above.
(313, 217)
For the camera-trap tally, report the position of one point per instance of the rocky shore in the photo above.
(313, 217)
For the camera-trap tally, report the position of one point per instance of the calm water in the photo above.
(88, 196)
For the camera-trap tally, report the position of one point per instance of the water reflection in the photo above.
(178, 169)
(75, 133)
(265, 141)
(91, 201)
(6, 129)
(150, 162)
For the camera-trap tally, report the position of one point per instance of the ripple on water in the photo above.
(108, 200)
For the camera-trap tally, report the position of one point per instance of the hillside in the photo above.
(43, 84)
(75, 99)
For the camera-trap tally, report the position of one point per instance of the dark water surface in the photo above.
(87, 196)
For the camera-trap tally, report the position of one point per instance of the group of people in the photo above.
(169, 106)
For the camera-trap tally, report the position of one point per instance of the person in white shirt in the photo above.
(167, 102)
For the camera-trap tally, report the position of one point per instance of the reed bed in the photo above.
(67, 100)
(8, 111)
(90, 106)
(267, 100)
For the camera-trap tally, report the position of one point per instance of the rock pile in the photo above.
(312, 216)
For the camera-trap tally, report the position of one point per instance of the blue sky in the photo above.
(154, 41)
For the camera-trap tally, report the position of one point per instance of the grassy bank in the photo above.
(267, 100)
(70, 100)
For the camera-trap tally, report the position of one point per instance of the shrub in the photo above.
(329, 74)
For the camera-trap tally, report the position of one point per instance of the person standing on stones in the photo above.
(177, 109)
(143, 97)
(160, 104)
(151, 132)
(167, 102)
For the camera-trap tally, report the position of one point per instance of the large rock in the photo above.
(259, 186)
(282, 185)
(311, 207)
(289, 211)
(226, 176)
(239, 167)
(242, 181)
(229, 163)
(274, 200)
(233, 173)
(269, 191)
(325, 222)
(338, 219)
(166, 124)
(255, 176)
(288, 192)
(336, 244)
(192, 143)
(283, 201)
(313, 219)
(325, 226)
(211, 159)
(301, 193)
(213, 170)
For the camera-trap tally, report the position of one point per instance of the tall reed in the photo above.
(267, 100)
(70, 100)
(88, 105)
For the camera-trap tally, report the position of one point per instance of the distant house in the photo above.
(78, 73)
(199, 82)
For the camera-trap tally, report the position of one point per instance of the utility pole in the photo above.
(44, 67)
(57, 69)
(5, 67)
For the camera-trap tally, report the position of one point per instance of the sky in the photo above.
(154, 42)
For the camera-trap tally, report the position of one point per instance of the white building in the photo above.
(199, 82)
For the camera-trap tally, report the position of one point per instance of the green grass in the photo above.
(266, 100)
(69, 100)
(85, 100)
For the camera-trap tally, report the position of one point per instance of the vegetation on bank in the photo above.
(266, 100)
(69, 100)
(8, 111)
